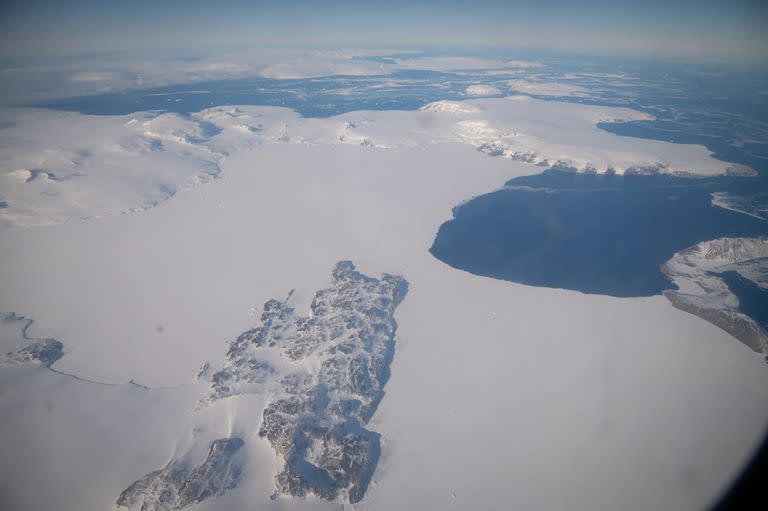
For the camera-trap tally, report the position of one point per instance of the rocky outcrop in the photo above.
(43, 351)
(30, 350)
(180, 484)
(324, 375)
(339, 362)
(702, 291)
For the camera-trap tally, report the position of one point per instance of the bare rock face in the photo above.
(646, 170)
(316, 418)
(179, 484)
(43, 351)
(324, 375)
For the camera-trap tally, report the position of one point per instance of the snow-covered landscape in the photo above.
(52, 173)
(311, 256)
(702, 292)
(143, 295)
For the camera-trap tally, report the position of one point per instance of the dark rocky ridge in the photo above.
(180, 484)
(324, 374)
(316, 421)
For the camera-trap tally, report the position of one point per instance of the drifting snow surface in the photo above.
(704, 293)
(500, 395)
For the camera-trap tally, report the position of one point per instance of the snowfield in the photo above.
(56, 167)
(500, 395)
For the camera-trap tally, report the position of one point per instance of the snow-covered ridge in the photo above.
(704, 293)
(544, 133)
(324, 376)
(180, 483)
(56, 167)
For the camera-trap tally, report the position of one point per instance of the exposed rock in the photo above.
(44, 352)
(565, 166)
(493, 149)
(324, 374)
(315, 420)
(31, 350)
(180, 484)
(740, 170)
(702, 291)
(646, 170)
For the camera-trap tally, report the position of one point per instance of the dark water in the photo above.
(753, 300)
(598, 234)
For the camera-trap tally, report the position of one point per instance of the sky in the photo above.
(704, 29)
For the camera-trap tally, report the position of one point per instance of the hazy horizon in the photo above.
(709, 30)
